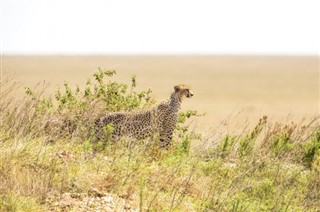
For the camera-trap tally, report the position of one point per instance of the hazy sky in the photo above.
(160, 27)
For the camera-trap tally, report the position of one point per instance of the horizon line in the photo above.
(163, 54)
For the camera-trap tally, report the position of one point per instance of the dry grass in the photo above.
(268, 167)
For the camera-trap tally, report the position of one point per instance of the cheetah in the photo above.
(161, 119)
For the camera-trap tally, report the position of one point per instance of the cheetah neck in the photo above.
(174, 101)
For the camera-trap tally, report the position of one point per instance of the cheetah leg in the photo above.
(166, 139)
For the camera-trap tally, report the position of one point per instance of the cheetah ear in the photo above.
(176, 88)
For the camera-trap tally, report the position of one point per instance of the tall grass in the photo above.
(49, 159)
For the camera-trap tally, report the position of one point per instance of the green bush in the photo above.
(74, 109)
(248, 141)
(312, 150)
(281, 142)
(183, 132)
(227, 145)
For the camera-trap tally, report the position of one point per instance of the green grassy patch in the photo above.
(48, 148)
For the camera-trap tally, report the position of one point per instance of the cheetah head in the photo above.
(183, 91)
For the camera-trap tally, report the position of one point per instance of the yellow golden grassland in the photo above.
(242, 88)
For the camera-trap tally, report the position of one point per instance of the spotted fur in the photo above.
(161, 119)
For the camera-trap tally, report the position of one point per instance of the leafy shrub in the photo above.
(73, 110)
(312, 150)
(183, 131)
(281, 140)
(247, 142)
(227, 145)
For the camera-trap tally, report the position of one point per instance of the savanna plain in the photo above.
(248, 140)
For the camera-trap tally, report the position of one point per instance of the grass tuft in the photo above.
(49, 159)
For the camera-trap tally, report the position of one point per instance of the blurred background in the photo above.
(244, 59)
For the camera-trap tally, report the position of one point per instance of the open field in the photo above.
(51, 158)
(245, 87)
